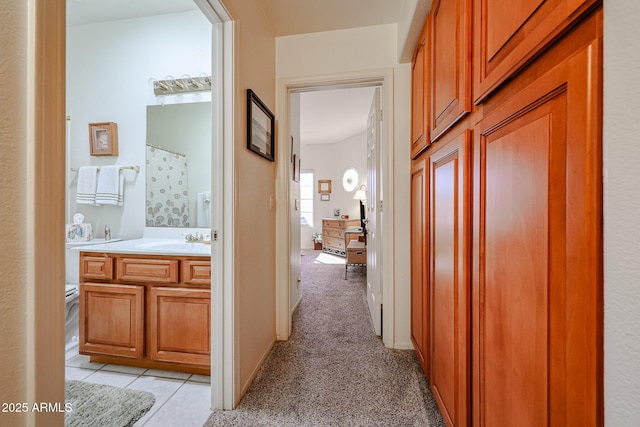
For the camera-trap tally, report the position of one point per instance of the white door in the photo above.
(374, 212)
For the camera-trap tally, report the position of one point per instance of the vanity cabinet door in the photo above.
(180, 325)
(112, 319)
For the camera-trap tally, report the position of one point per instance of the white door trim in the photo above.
(384, 79)
(223, 343)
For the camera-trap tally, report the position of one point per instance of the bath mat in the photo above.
(98, 405)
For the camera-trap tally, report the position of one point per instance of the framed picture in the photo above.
(296, 168)
(324, 186)
(103, 139)
(325, 197)
(260, 127)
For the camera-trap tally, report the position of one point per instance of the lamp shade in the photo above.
(361, 194)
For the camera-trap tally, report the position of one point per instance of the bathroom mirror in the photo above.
(178, 164)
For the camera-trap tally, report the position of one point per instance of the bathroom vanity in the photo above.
(147, 303)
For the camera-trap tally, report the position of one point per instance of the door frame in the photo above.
(378, 77)
(223, 345)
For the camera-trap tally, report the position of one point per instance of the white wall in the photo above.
(621, 213)
(109, 65)
(329, 161)
(335, 53)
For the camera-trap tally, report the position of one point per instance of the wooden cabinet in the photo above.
(419, 261)
(450, 64)
(152, 311)
(450, 287)
(510, 329)
(537, 284)
(333, 237)
(509, 34)
(112, 319)
(180, 325)
(419, 95)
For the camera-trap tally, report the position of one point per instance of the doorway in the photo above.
(287, 245)
(221, 182)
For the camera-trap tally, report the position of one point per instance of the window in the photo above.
(306, 199)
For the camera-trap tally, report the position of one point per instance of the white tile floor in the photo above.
(181, 399)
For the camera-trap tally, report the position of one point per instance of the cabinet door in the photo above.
(196, 272)
(112, 319)
(419, 93)
(538, 283)
(508, 34)
(450, 218)
(96, 267)
(450, 64)
(180, 325)
(419, 262)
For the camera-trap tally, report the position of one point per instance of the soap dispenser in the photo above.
(107, 232)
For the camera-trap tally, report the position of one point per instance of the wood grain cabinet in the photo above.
(537, 284)
(506, 214)
(420, 261)
(450, 64)
(151, 311)
(509, 34)
(450, 285)
(180, 325)
(419, 93)
(112, 319)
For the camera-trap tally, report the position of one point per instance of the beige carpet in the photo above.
(334, 371)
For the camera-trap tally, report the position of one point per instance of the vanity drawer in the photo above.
(96, 267)
(196, 272)
(148, 270)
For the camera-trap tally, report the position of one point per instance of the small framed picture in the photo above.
(103, 139)
(324, 186)
(325, 197)
(260, 127)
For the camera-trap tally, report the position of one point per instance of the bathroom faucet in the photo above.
(194, 237)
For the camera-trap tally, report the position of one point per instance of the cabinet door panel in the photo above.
(420, 263)
(420, 93)
(508, 34)
(150, 270)
(537, 286)
(450, 64)
(112, 319)
(450, 281)
(180, 325)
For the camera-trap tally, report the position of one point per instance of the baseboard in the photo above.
(247, 383)
(295, 307)
(403, 346)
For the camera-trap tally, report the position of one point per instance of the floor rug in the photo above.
(98, 405)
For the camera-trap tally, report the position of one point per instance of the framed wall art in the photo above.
(324, 186)
(103, 139)
(260, 127)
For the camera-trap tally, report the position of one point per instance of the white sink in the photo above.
(174, 246)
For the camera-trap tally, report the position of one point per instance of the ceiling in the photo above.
(334, 115)
(326, 116)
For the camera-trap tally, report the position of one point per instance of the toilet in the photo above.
(72, 294)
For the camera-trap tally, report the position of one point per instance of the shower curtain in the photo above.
(167, 189)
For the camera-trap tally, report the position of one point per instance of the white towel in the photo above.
(87, 181)
(110, 190)
(203, 212)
